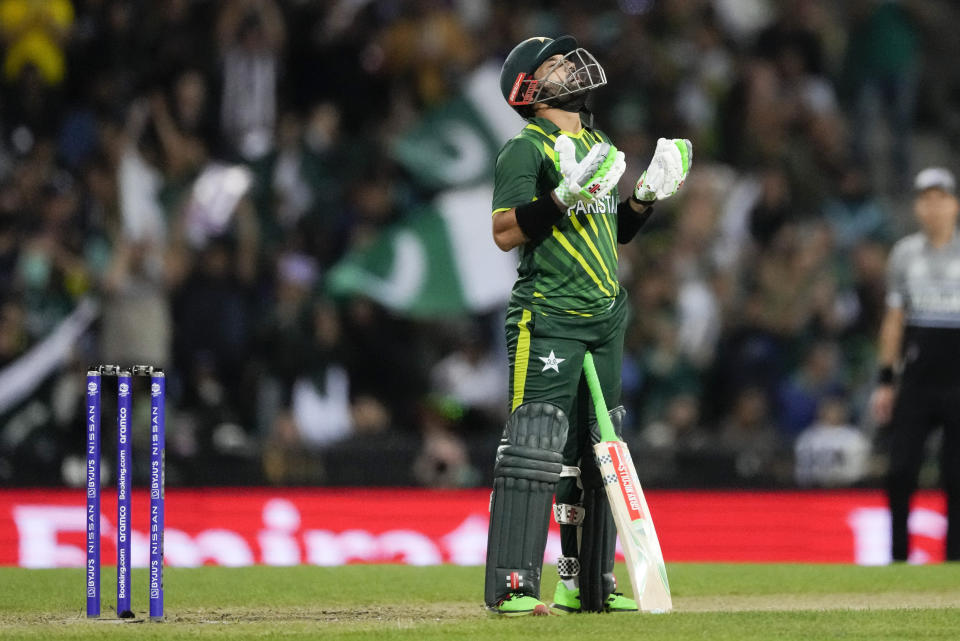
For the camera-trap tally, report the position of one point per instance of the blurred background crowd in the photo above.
(180, 179)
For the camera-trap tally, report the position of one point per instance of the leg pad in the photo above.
(528, 466)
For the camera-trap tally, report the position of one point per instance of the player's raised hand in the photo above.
(667, 171)
(590, 179)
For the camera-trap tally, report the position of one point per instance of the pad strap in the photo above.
(568, 567)
(570, 470)
(567, 514)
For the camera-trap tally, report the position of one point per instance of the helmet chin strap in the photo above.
(574, 104)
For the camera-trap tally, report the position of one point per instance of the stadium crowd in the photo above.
(198, 167)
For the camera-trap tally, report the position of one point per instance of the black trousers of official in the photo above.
(921, 407)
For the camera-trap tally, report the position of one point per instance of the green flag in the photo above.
(450, 147)
(456, 144)
(440, 260)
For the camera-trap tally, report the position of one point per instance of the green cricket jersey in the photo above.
(574, 270)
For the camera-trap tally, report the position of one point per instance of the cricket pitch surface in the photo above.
(383, 602)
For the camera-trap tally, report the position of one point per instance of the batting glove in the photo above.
(590, 179)
(667, 171)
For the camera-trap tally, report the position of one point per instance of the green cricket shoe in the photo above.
(567, 601)
(519, 605)
(616, 602)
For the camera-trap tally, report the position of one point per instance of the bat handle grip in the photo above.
(607, 433)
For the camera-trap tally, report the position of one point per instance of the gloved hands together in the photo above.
(590, 179)
(667, 171)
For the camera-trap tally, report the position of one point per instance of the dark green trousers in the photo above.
(546, 364)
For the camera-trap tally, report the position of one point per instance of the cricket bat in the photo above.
(638, 538)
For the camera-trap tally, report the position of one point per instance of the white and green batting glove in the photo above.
(590, 179)
(667, 171)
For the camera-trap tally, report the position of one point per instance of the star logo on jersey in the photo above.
(551, 362)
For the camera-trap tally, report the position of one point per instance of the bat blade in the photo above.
(638, 537)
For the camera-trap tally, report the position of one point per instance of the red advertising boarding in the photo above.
(45, 528)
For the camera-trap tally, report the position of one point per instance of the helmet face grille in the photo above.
(576, 73)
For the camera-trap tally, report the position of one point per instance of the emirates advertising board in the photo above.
(243, 526)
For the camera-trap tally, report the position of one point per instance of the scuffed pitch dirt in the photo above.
(375, 614)
(441, 612)
(393, 614)
(409, 615)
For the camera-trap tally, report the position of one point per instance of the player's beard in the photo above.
(583, 74)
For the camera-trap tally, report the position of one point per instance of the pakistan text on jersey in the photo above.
(606, 205)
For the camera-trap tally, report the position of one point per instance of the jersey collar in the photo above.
(550, 129)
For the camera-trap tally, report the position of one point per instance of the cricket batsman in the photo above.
(555, 197)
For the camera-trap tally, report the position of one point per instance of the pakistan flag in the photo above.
(440, 260)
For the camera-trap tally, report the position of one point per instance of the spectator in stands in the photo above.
(320, 400)
(428, 46)
(135, 285)
(817, 380)
(774, 208)
(750, 438)
(211, 355)
(868, 263)
(881, 75)
(34, 34)
(443, 459)
(306, 395)
(470, 377)
(250, 34)
(381, 355)
(669, 443)
(667, 371)
(176, 36)
(50, 271)
(854, 215)
(831, 452)
(181, 142)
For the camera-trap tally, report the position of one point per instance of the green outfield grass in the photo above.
(714, 602)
